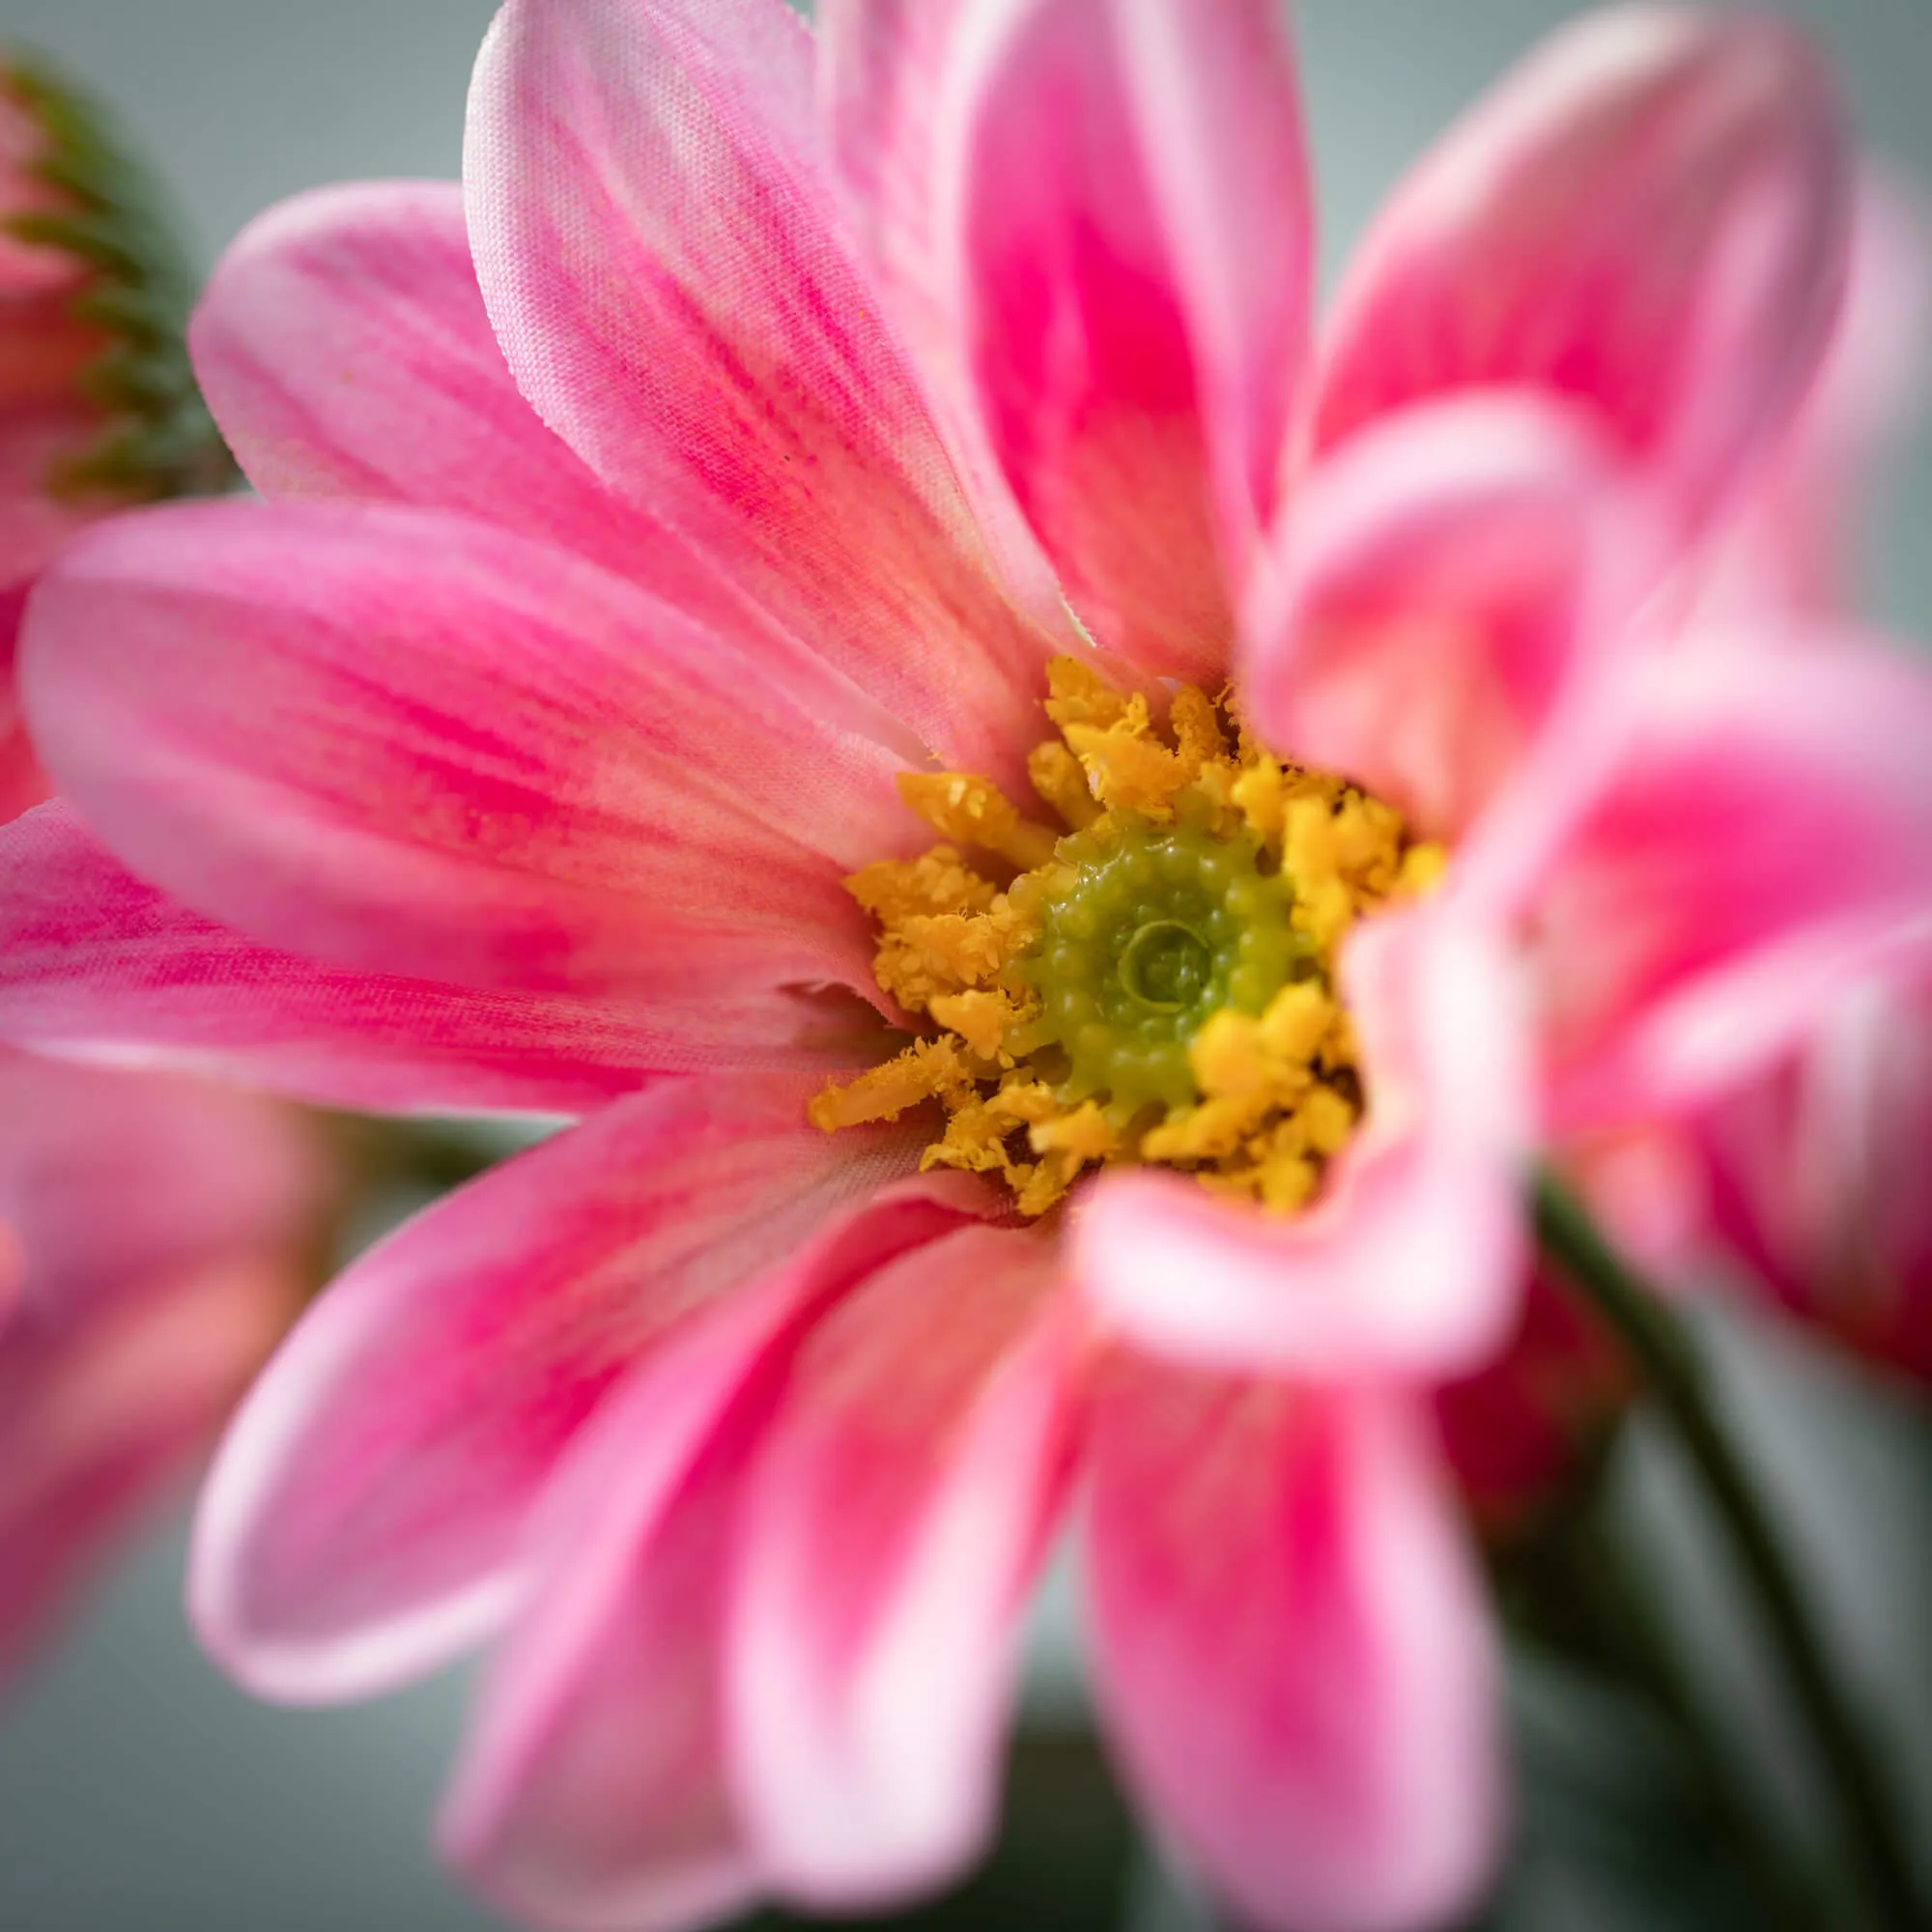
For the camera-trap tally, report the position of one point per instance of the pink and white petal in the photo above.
(363, 1521)
(99, 1417)
(196, 1175)
(594, 1792)
(1293, 1649)
(660, 250)
(1765, 836)
(1124, 204)
(1412, 1262)
(97, 965)
(410, 743)
(1794, 546)
(881, 67)
(890, 1532)
(1437, 591)
(1651, 215)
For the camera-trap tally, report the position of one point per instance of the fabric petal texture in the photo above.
(490, 762)
(1294, 1650)
(363, 1521)
(594, 1791)
(1652, 215)
(661, 250)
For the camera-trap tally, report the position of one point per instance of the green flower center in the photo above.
(1147, 931)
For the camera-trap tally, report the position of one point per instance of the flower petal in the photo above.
(894, 1524)
(1411, 1261)
(1765, 836)
(1124, 196)
(1651, 215)
(362, 1521)
(412, 743)
(1294, 1650)
(96, 964)
(1432, 594)
(881, 67)
(343, 345)
(655, 232)
(593, 1792)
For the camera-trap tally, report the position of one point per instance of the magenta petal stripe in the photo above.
(661, 252)
(1652, 215)
(363, 1522)
(413, 744)
(1123, 198)
(594, 1791)
(1294, 1650)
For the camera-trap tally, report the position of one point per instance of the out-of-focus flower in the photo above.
(746, 1437)
(98, 403)
(1817, 1175)
(155, 1238)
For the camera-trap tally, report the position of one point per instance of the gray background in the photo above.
(138, 1793)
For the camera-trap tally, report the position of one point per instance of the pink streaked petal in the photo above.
(656, 233)
(98, 1418)
(1293, 1649)
(1817, 1172)
(1796, 546)
(892, 1530)
(1651, 215)
(594, 1793)
(1432, 595)
(412, 743)
(195, 1174)
(1412, 1262)
(880, 70)
(363, 1522)
(96, 964)
(1765, 834)
(1124, 202)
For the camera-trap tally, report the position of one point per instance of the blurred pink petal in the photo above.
(154, 1233)
(1293, 1649)
(1409, 1262)
(898, 1516)
(594, 1790)
(663, 258)
(361, 1525)
(1432, 593)
(1651, 215)
(1766, 833)
(1818, 1173)
(1128, 202)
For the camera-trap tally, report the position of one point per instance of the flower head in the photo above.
(783, 452)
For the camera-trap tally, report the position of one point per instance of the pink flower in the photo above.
(1812, 1173)
(515, 759)
(152, 1236)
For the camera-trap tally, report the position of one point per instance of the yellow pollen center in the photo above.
(1151, 980)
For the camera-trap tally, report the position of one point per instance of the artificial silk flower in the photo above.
(154, 1234)
(98, 406)
(1064, 840)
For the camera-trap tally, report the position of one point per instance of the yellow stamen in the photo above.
(1219, 1044)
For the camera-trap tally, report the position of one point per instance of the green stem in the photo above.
(1676, 1377)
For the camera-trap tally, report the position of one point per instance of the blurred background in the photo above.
(139, 1793)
